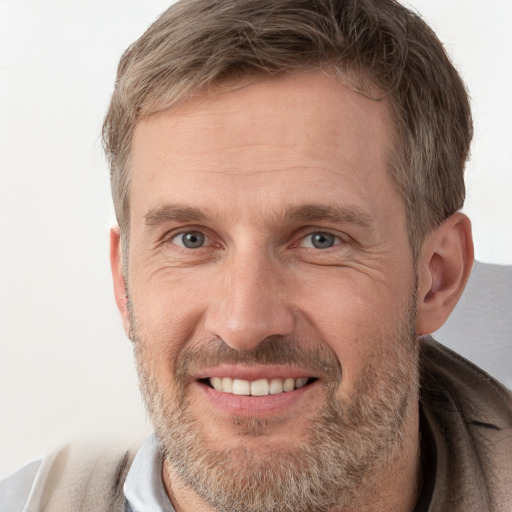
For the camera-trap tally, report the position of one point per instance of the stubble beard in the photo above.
(346, 447)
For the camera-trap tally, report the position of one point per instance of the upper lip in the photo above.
(253, 372)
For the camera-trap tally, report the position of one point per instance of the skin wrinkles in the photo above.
(343, 221)
(292, 258)
(295, 215)
(266, 169)
(348, 254)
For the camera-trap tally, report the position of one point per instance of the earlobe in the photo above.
(444, 266)
(116, 264)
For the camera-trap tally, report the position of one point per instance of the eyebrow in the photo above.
(296, 214)
(333, 213)
(169, 213)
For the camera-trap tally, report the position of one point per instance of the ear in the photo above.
(116, 264)
(444, 266)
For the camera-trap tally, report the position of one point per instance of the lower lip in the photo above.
(250, 406)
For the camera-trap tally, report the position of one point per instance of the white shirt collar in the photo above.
(143, 487)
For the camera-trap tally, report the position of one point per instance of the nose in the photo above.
(251, 303)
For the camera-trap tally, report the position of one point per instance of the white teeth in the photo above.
(301, 382)
(260, 387)
(227, 384)
(241, 387)
(276, 386)
(288, 384)
(216, 382)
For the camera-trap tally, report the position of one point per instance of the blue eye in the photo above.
(190, 239)
(320, 240)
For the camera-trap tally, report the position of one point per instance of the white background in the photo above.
(65, 366)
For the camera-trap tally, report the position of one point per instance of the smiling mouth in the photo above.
(259, 387)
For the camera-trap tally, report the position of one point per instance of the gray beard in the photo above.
(346, 447)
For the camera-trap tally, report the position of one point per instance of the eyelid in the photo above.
(299, 236)
(173, 233)
(305, 232)
(338, 239)
(205, 240)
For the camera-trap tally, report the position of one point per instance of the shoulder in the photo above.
(84, 473)
(21, 491)
(470, 415)
(452, 382)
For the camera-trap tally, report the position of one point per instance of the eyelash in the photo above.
(300, 237)
(171, 235)
(337, 238)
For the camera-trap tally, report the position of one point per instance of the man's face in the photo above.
(271, 291)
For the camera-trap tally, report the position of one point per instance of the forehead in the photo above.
(307, 132)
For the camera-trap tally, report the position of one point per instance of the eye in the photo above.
(190, 239)
(320, 240)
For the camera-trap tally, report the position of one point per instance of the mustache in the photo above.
(274, 350)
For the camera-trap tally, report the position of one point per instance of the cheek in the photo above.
(167, 314)
(358, 319)
(163, 291)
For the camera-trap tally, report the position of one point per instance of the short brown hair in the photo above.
(197, 43)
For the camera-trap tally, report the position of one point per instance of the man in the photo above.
(287, 177)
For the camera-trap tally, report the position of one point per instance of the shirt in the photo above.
(144, 488)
